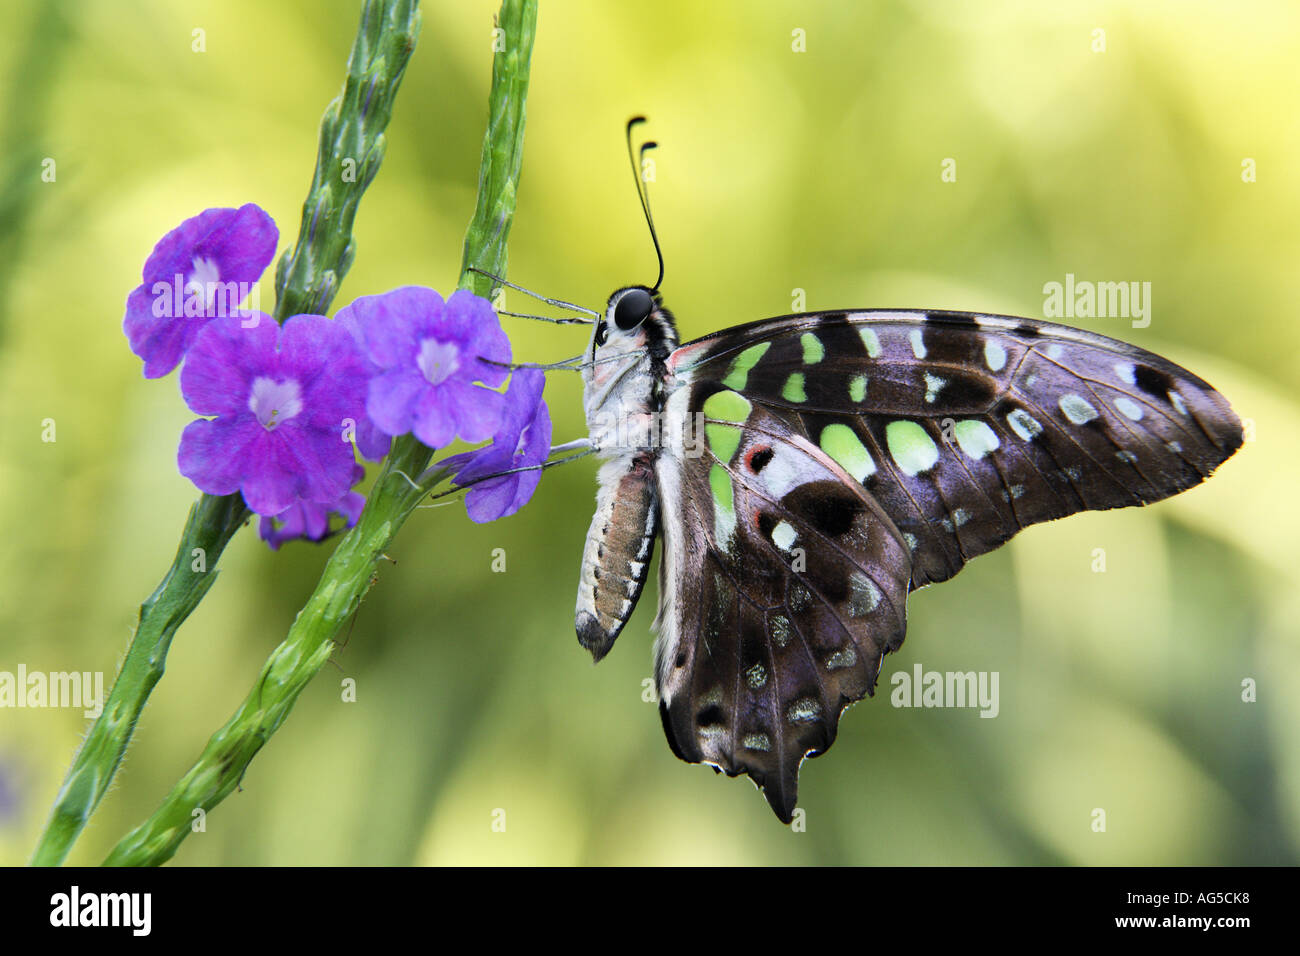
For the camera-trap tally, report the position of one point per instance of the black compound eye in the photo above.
(633, 309)
(602, 332)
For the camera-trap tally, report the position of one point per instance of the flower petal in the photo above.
(242, 245)
(324, 358)
(223, 362)
(434, 419)
(371, 440)
(212, 454)
(522, 399)
(492, 499)
(271, 481)
(389, 324)
(320, 460)
(474, 317)
(477, 410)
(392, 400)
(310, 520)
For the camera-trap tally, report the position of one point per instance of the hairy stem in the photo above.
(352, 568)
(308, 275)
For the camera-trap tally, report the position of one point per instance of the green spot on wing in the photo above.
(792, 390)
(871, 341)
(975, 438)
(738, 374)
(842, 443)
(723, 440)
(720, 485)
(911, 447)
(727, 407)
(858, 388)
(813, 351)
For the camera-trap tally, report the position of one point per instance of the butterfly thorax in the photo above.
(625, 385)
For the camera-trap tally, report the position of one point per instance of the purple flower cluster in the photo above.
(289, 403)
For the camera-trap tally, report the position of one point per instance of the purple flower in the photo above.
(201, 270)
(428, 355)
(522, 441)
(371, 441)
(283, 400)
(310, 520)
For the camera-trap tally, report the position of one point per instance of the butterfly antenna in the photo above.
(643, 191)
(559, 303)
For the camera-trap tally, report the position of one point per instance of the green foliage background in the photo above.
(778, 170)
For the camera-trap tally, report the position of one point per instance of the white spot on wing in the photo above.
(841, 659)
(1024, 424)
(995, 355)
(1129, 408)
(864, 596)
(918, 343)
(787, 471)
(783, 535)
(932, 385)
(1077, 409)
(804, 711)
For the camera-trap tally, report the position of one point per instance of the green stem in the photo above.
(503, 149)
(211, 524)
(352, 146)
(352, 568)
(352, 127)
(345, 580)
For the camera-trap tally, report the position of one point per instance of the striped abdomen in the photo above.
(616, 559)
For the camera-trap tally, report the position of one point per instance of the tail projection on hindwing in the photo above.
(846, 458)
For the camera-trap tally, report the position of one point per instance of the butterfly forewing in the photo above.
(967, 428)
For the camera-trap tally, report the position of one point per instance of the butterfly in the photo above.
(806, 473)
(847, 459)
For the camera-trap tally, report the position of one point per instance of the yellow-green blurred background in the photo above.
(816, 170)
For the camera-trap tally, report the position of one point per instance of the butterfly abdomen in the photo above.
(620, 543)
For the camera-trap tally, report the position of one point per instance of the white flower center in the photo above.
(438, 360)
(274, 402)
(204, 280)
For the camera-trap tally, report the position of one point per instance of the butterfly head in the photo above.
(635, 321)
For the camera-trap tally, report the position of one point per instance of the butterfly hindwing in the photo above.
(783, 584)
(966, 428)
